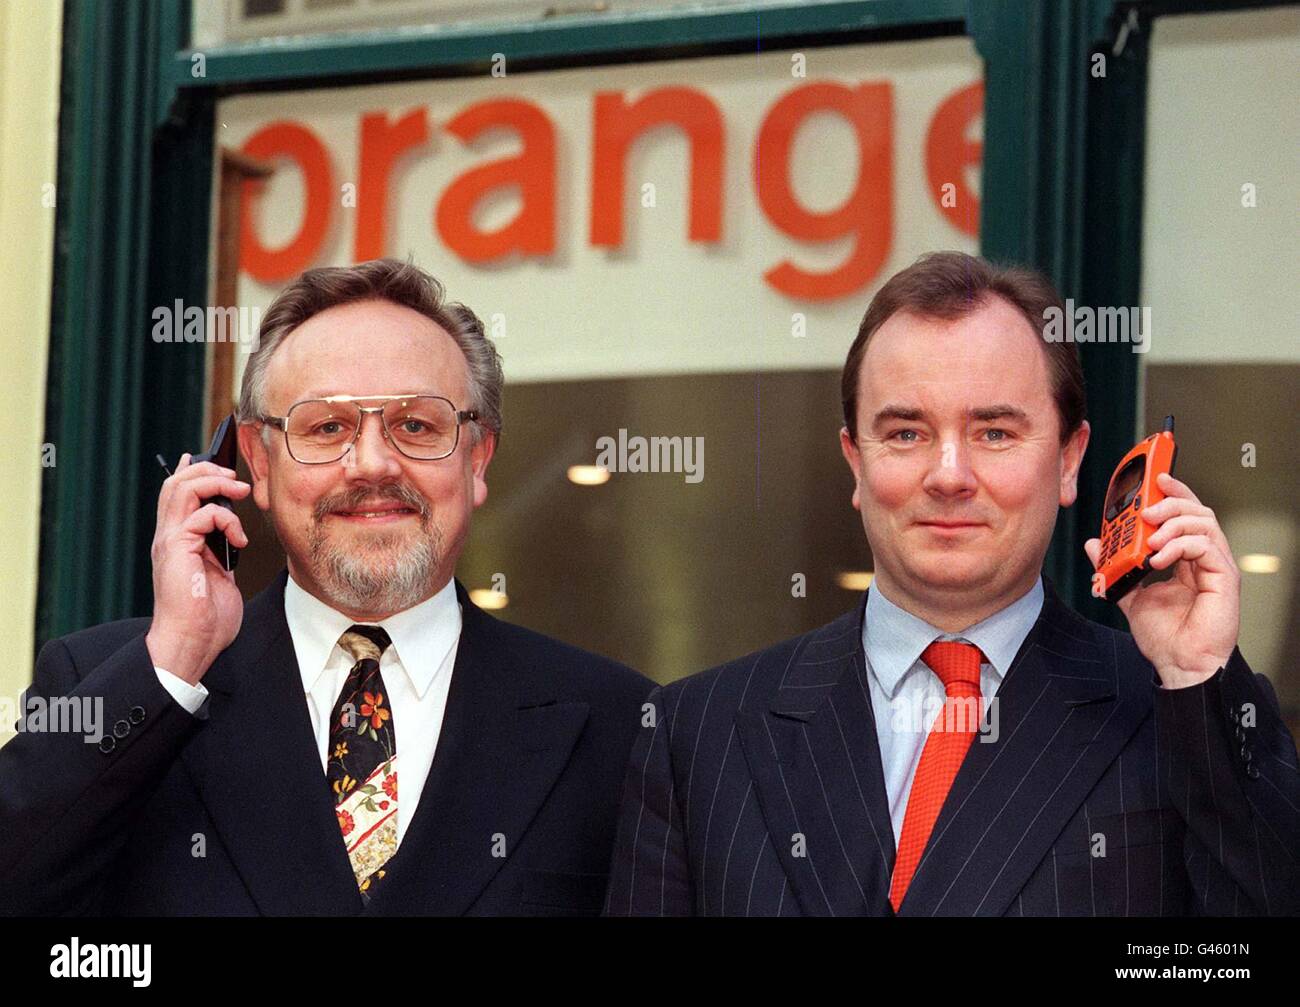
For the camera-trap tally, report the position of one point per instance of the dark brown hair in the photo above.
(949, 285)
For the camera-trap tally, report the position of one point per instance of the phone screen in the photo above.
(1125, 486)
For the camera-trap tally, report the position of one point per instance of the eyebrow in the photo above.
(999, 411)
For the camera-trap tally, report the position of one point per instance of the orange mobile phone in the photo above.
(1125, 555)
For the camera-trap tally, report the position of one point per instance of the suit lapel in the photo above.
(258, 772)
(1063, 714)
(812, 752)
(505, 739)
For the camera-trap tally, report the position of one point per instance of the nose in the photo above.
(372, 455)
(950, 472)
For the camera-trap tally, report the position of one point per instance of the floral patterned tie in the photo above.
(362, 765)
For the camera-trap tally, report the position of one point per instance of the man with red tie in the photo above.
(962, 743)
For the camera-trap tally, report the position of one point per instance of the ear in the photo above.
(854, 457)
(258, 458)
(479, 457)
(1071, 459)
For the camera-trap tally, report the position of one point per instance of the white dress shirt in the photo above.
(416, 668)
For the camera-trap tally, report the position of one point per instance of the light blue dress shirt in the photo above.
(906, 693)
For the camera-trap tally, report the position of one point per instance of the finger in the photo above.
(1212, 569)
(1195, 519)
(214, 485)
(187, 469)
(212, 517)
(1181, 524)
(188, 495)
(164, 494)
(1170, 506)
(1092, 549)
(197, 469)
(1175, 488)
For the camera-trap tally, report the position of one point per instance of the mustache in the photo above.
(353, 498)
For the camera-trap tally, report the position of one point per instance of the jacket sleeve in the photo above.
(1228, 765)
(89, 753)
(650, 874)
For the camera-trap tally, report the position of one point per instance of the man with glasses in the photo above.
(359, 738)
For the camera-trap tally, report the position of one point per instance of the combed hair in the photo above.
(949, 285)
(392, 280)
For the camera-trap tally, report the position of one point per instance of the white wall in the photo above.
(1224, 111)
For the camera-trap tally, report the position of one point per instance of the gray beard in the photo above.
(379, 578)
(383, 583)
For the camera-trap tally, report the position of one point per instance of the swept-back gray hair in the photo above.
(392, 280)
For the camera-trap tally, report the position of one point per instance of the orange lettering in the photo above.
(295, 141)
(532, 172)
(867, 213)
(382, 143)
(616, 125)
(948, 152)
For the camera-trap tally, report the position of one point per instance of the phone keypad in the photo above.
(1120, 534)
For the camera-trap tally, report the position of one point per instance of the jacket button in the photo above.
(121, 729)
(136, 714)
(1252, 771)
(107, 744)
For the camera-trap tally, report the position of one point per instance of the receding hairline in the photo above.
(985, 302)
(466, 377)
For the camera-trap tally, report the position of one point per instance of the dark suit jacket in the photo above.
(1198, 810)
(533, 745)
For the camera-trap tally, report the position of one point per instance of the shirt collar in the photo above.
(422, 635)
(894, 638)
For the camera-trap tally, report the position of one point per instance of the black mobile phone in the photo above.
(224, 451)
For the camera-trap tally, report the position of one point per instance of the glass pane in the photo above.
(319, 426)
(424, 425)
(1220, 248)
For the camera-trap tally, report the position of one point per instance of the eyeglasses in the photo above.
(422, 427)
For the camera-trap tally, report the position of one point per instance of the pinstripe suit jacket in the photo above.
(758, 790)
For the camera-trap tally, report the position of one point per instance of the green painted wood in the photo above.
(434, 49)
(1062, 192)
(106, 377)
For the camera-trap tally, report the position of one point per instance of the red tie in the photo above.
(958, 667)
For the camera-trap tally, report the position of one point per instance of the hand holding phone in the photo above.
(198, 607)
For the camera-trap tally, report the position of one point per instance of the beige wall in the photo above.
(29, 109)
(1219, 275)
